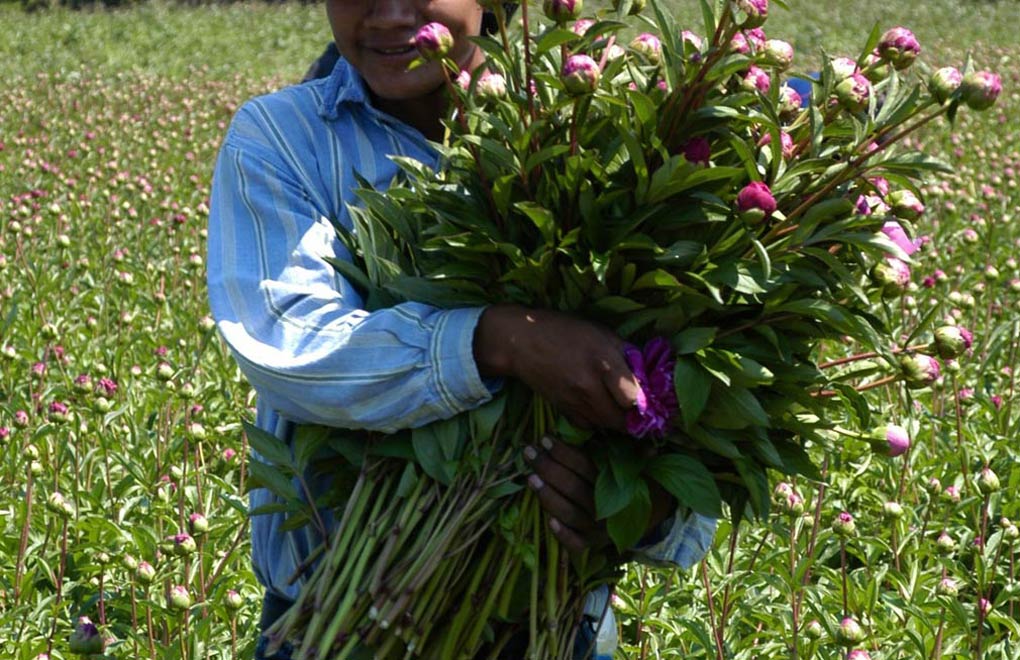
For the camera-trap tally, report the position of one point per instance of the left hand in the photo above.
(564, 480)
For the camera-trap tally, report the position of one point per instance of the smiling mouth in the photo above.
(395, 50)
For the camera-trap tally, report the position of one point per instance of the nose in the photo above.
(390, 13)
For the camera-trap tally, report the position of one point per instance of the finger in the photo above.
(563, 489)
(574, 542)
(621, 382)
(561, 505)
(572, 458)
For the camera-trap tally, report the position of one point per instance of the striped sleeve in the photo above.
(687, 539)
(296, 327)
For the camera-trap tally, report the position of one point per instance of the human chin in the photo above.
(407, 85)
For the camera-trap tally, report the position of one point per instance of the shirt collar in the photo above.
(343, 85)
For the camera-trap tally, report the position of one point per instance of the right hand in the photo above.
(575, 365)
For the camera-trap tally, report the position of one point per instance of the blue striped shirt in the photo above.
(283, 180)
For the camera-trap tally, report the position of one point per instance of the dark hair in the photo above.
(489, 24)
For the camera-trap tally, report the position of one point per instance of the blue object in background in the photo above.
(803, 86)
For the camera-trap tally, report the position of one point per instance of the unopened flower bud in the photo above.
(899, 46)
(85, 640)
(952, 341)
(433, 41)
(843, 67)
(849, 632)
(179, 599)
(892, 510)
(196, 431)
(233, 601)
(183, 544)
(905, 204)
(198, 524)
(858, 654)
(919, 370)
(951, 494)
(491, 86)
(843, 525)
(944, 83)
(945, 543)
(890, 440)
(853, 92)
(813, 629)
(979, 89)
(145, 573)
(755, 12)
(129, 562)
(777, 53)
(648, 46)
(755, 202)
(892, 276)
(561, 11)
(581, 75)
(947, 587)
(756, 79)
(790, 102)
(164, 371)
(988, 481)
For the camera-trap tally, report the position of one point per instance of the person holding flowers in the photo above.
(284, 182)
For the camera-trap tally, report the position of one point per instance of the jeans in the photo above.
(273, 608)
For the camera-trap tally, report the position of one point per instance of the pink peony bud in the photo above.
(890, 440)
(738, 44)
(491, 86)
(58, 412)
(843, 525)
(905, 204)
(945, 82)
(463, 80)
(850, 632)
(843, 67)
(979, 89)
(233, 601)
(755, 39)
(892, 276)
(813, 629)
(875, 68)
(690, 40)
(952, 341)
(947, 587)
(790, 102)
(755, 12)
(179, 598)
(853, 92)
(755, 202)
(648, 46)
(581, 26)
(433, 41)
(581, 75)
(778, 53)
(145, 573)
(919, 370)
(561, 11)
(892, 510)
(951, 494)
(899, 47)
(756, 79)
(697, 150)
(785, 141)
(988, 481)
(858, 654)
(198, 524)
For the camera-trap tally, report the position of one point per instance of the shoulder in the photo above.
(284, 121)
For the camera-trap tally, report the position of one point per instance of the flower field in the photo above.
(122, 472)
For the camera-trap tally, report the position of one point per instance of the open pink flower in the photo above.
(656, 404)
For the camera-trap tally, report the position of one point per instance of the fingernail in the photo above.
(535, 482)
(555, 525)
(547, 443)
(530, 453)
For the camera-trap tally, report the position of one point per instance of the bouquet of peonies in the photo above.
(669, 186)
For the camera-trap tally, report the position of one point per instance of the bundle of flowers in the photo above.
(673, 188)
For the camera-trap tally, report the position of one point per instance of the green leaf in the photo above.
(716, 441)
(484, 418)
(541, 217)
(308, 440)
(611, 497)
(656, 279)
(408, 480)
(797, 461)
(263, 475)
(692, 387)
(757, 482)
(628, 525)
(268, 446)
(692, 340)
(682, 254)
(429, 453)
(553, 38)
(689, 481)
(736, 407)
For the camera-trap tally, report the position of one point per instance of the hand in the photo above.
(564, 480)
(575, 365)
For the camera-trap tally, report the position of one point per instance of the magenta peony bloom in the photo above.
(894, 231)
(697, 150)
(433, 41)
(656, 404)
(899, 47)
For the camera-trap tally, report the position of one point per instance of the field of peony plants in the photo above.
(122, 477)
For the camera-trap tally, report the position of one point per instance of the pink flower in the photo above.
(979, 89)
(581, 74)
(653, 368)
(755, 201)
(561, 11)
(853, 92)
(858, 654)
(697, 150)
(756, 79)
(648, 45)
(581, 26)
(755, 12)
(738, 44)
(433, 41)
(756, 38)
(899, 47)
(897, 440)
(894, 231)
(784, 139)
